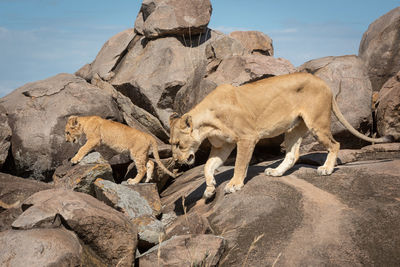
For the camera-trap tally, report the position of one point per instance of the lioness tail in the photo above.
(345, 123)
(157, 158)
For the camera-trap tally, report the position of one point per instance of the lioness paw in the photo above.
(231, 188)
(273, 172)
(324, 170)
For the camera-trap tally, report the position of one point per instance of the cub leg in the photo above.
(140, 162)
(293, 140)
(245, 148)
(150, 169)
(86, 148)
(217, 157)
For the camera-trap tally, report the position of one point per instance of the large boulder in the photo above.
(108, 233)
(348, 218)
(37, 113)
(254, 41)
(153, 72)
(237, 70)
(5, 136)
(108, 57)
(173, 17)
(388, 110)
(380, 50)
(348, 79)
(13, 192)
(41, 247)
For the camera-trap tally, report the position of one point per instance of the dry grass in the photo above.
(252, 246)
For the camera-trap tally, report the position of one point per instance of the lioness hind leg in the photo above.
(293, 140)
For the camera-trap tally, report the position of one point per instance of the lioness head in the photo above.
(183, 143)
(73, 130)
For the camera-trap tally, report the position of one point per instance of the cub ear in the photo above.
(186, 122)
(73, 120)
(174, 116)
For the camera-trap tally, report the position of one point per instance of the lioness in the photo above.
(240, 116)
(118, 137)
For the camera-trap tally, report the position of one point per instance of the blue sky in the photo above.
(40, 38)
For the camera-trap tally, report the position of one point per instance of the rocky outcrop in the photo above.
(303, 218)
(348, 79)
(388, 110)
(173, 17)
(37, 114)
(108, 233)
(380, 48)
(254, 41)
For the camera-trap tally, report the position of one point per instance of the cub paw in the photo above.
(231, 188)
(273, 172)
(74, 160)
(131, 181)
(324, 171)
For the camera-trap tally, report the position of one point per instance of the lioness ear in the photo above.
(73, 120)
(186, 122)
(173, 117)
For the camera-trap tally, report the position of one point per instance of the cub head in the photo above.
(182, 139)
(73, 130)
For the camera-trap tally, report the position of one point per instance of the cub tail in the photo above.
(157, 158)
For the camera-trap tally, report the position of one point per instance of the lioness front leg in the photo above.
(244, 152)
(86, 148)
(217, 157)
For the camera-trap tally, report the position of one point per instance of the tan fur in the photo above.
(240, 116)
(118, 137)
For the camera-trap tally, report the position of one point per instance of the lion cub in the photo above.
(118, 137)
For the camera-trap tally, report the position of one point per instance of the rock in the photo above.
(5, 136)
(149, 192)
(40, 247)
(106, 231)
(186, 250)
(254, 41)
(380, 50)
(37, 113)
(108, 57)
(223, 47)
(388, 111)
(135, 207)
(173, 17)
(186, 224)
(237, 70)
(348, 79)
(81, 177)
